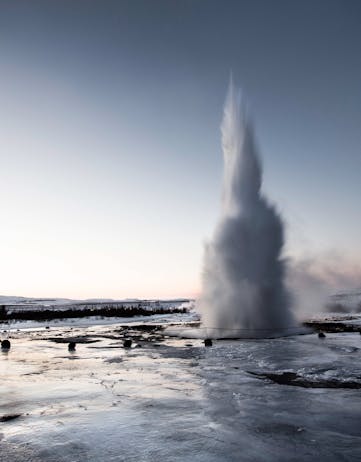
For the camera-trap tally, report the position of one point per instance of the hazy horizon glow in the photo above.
(111, 163)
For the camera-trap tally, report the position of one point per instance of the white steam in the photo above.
(243, 293)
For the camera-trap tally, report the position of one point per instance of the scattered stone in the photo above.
(5, 345)
(208, 342)
(71, 346)
(127, 343)
(321, 335)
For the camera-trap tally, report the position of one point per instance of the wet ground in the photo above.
(170, 399)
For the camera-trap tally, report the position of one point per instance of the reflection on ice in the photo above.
(175, 400)
(217, 333)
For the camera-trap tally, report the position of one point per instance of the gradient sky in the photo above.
(110, 144)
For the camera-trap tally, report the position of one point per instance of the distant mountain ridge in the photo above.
(15, 300)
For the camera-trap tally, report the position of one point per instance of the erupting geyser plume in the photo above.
(243, 282)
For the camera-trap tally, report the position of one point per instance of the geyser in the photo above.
(243, 293)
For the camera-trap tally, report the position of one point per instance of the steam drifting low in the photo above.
(243, 292)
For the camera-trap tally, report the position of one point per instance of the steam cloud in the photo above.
(243, 293)
(316, 279)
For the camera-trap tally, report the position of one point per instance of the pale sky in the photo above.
(111, 163)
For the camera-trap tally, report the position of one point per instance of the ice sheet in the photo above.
(176, 400)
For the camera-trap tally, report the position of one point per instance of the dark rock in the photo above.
(284, 378)
(208, 342)
(333, 325)
(321, 335)
(71, 346)
(7, 417)
(80, 339)
(5, 345)
(296, 380)
(127, 343)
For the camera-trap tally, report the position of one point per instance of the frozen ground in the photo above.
(169, 399)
